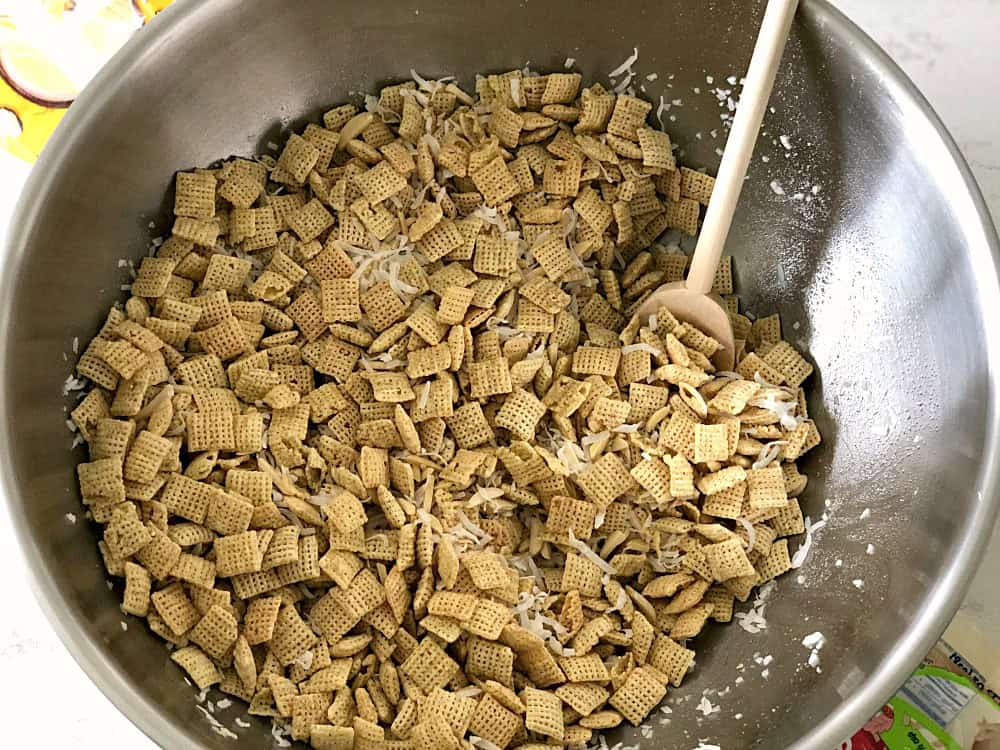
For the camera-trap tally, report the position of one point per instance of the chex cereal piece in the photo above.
(494, 722)
(593, 210)
(429, 666)
(520, 414)
(543, 713)
(656, 150)
(486, 569)
(567, 514)
(176, 609)
(734, 396)
(196, 570)
(494, 256)
(654, 476)
(696, 185)
(452, 605)
(722, 480)
(442, 239)
(495, 182)
(766, 488)
(380, 182)
(683, 215)
(145, 456)
(711, 443)
(726, 503)
(454, 303)
(490, 378)
(298, 158)
(216, 632)
(584, 698)
(689, 623)
(728, 560)
(606, 719)
(596, 360)
(553, 256)
(340, 299)
(135, 600)
(488, 619)
(639, 695)
(198, 665)
(579, 574)
(382, 306)
(671, 659)
(606, 481)
(628, 116)
(489, 660)
(201, 233)
(785, 359)
(188, 498)
(194, 195)
(789, 521)
(775, 563)
(681, 477)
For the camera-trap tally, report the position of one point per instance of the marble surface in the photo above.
(952, 56)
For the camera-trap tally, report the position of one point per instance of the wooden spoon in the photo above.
(692, 301)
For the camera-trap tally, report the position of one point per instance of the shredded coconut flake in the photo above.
(589, 554)
(768, 453)
(217, 726)
(626, 65)
(803, 552)
(706, 707)
(751, 532)
(625, 83)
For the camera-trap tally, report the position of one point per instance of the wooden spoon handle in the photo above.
(740, 144)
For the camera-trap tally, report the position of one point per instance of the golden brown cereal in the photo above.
(469, 427)
(454, 304)
(325, 464)
(494, 722)
(584, 698)
(543, 713)
(607, 480)
(237, 553)
(640, 693)
(711, 443)
(628, 116)
(520, 414)
(382, 306)
(579, 574)
(429, 666)
(340, 299)
(728, 560)
(198, 665)
(135, 600)
(596, 360)
(766, 488)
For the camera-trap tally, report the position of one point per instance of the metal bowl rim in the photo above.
(916, 640)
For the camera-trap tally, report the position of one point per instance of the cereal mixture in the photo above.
(378, 447)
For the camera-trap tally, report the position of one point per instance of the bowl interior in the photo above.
(875, 252)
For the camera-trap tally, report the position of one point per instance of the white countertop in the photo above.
(952, 56)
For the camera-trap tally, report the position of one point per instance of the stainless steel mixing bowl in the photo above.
(887, 275)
